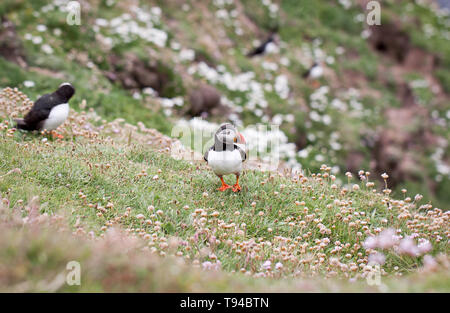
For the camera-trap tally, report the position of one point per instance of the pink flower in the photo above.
(278, 266)
(370, 242)
(424, 246)
(378, 258)
(407, 246)
(207, 265)
(267, 265)
(429, 263)
(387, 239)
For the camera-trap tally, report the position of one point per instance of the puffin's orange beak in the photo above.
(242, 139)
(239, 139)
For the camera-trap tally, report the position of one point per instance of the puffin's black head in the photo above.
(228, 134)
(225, 134)
(66, 91)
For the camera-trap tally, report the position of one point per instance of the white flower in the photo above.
(303, 153)
(101, 22)
(340, 50)
(366, 33)
(223, 14)
(175, 45)
(282, 87)
(187, 55)
(156, 11)
(47, 49)
(41, 28)
(346, 4)
(273, 8)
(270, 66)
(29, 83)
(37, 40)
(326, 119)
(329, 60)
(285, 61)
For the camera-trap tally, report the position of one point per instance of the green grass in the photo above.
(299, 23)
(99, 184)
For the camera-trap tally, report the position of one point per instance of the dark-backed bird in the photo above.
(313, 74)
(49, 111)
(227, 155)
(261, 49)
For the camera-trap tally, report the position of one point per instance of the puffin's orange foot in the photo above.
(224, 187)
(315, 84)
(236, 188)
(56, 135)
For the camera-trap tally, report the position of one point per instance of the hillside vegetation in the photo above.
(382, 103)
(118, 181)
(122, 204)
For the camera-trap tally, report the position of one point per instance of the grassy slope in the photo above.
(331, 22)
(99, 179)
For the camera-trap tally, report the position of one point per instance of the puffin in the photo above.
(261, 49)
(227, 154)
(49, 111)
(314, 72)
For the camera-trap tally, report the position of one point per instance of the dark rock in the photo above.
(401, 142)
(134, 73)
(301, 140)
(406, 95)
(10, 46)
(201, 56)
(354, 161)
(204, 98)
(420, 60)
(389, 39)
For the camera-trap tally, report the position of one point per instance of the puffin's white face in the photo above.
(65, 84)
(227, 136)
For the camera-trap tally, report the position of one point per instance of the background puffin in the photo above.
(314, 73)
(226, 155)
(261, 49)
(49, 111)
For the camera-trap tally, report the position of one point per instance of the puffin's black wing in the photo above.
(306, 74)
(257, 51)
(41, 110)
(261, 49)
(243, 153)
(205, 156)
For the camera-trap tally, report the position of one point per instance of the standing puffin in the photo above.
(226, 155)
(49, 111)
(314, 73)
(261, 49)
